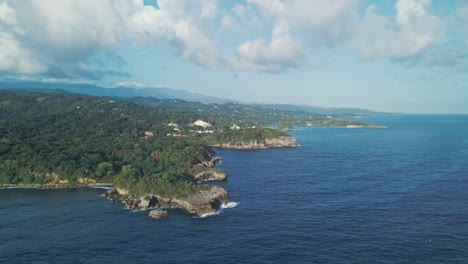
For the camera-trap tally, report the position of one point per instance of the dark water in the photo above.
(396, 195)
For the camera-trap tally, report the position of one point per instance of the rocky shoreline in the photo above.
(200, 204)
(280, 142)
(203, 203)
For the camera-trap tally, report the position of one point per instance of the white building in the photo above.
(201, 123)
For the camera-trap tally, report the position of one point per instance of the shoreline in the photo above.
(56, 186)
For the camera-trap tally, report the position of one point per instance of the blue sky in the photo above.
(391, 55)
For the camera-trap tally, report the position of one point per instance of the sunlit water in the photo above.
(396, 195)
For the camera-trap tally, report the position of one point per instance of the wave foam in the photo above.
(221, 208)
(209, 214)
(229, 205)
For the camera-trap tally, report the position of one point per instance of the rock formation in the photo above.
(282, 141)
(211, 174)
(158, 214)
(204, 202)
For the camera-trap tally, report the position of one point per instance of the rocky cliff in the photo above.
(282, 141)
(211, 174)
(204, 202)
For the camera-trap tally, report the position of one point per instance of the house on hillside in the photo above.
(147, 135)
(234, 127)
(201, 123)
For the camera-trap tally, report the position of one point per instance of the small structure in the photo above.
(147, 135)
(201, 123)
(234, 127)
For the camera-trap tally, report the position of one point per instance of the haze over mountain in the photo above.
(125, 92)
(166, 93)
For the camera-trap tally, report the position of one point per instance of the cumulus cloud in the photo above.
(62, 39)
(179, 23)
(320, 23)
(282, 52)
(412, 30)
(327, 22)
(36, 36)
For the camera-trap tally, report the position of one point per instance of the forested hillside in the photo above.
(47, 138)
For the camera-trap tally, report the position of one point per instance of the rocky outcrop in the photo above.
(201, 203)
(211, 174)
(158, 214)
(282, 141)
(210, 163)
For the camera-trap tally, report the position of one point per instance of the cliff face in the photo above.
(205, 202)
(282, 141)
(215, 175)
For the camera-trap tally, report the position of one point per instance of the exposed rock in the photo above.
(158, 214)
(86, 181)
(147, 201)
(144, 202)
(201, 203)
(121, 191)
(163, 201)
(282, 141)
(211, 163)
(217, 175)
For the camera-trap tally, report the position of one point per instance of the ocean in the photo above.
(395, 195)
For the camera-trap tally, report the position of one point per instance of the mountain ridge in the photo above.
(168, 93)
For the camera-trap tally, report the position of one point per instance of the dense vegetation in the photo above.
(223, 116)
(47, 138)
(242, 136)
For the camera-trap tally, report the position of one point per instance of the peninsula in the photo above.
(155, 153)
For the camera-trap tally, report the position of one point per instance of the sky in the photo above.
(407, 56)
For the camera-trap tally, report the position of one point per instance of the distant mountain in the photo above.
(350, 112)
(166, 93)
(124, 92)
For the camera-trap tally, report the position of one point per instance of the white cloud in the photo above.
(282, 52)
(66, 34)
(13, 56)
(461, 18)
(319, 23)
(328, 22)
(411, 31)
(36, 36)
(62, 38)
(179, 23)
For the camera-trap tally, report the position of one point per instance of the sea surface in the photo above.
(395, 195)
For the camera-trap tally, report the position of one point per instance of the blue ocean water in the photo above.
(396, 195)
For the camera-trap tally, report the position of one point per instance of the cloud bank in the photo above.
(75, 39)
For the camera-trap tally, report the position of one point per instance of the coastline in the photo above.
(56, 186)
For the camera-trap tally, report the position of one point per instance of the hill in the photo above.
(50, 139)
(124, 92)
(166, 93)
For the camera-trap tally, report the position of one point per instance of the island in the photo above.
(154, 153)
